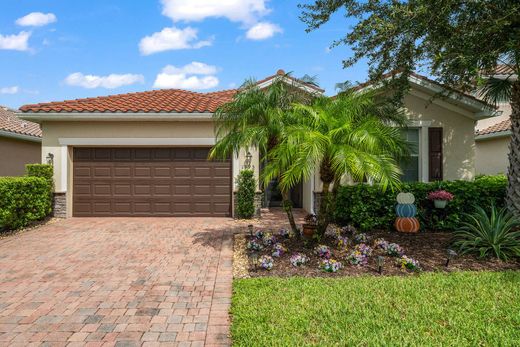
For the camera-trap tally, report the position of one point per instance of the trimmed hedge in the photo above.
(26, 199)
(245, 204)
(367, 207)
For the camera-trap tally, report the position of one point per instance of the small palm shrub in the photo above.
(496, 234)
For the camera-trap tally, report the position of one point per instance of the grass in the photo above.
(456, 309)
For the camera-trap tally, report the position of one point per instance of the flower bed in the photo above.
(345, 252)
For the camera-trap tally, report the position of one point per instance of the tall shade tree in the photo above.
(350, 134)
(256, 118)
(460, 42)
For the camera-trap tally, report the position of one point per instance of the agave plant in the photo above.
(496, 234)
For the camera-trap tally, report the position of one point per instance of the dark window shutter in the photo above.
(435, 154)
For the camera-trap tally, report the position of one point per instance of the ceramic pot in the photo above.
(407, 225)
(405, 210)
(309, 230)
(440, 203)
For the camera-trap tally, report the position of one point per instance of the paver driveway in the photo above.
(117, 281)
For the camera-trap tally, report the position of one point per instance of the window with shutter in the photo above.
(435, 154)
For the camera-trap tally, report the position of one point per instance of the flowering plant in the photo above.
(360, 254)
(408, 263)
(298, 259)
(330, 265)
(269, 239)
(259, 234)
(394, 250)
(278, 250)
(349, 229)
(322, 251)
(360, 238)
(342, 242)
(440, 195)
(311, 219)
(285, 233)
(266, 262)
(254, 245)
(381, 243)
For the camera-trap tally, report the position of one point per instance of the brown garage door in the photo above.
(150, 182)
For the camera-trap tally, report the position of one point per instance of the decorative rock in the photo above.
(406, 210)
(407, 225)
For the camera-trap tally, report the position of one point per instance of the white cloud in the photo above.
(243, 11)
(171, 39)
(9, 90)
(36, 19)
(262, 31)
(109, 82)
(18, 42)
(194, 76)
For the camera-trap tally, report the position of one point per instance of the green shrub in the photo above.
(39, 170)
(494, 235)
(23, 200)
(367, 207)
(245, 204)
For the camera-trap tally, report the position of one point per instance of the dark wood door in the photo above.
(150, 182)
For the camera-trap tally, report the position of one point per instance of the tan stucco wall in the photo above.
(458, 133)
(16, 154)
(491, 155)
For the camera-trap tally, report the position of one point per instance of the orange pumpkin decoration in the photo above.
(407, 224)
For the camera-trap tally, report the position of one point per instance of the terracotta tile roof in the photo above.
(9, 122)
(500, 70)
(502, 126)
(155, 101)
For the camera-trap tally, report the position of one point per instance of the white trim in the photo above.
(236, 171)
(116, 116)
(292, 82)
(137, 141)
(17, 136)
(64, 156)
(495, 135)
(419, 123)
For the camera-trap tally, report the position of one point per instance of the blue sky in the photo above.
(60, 49)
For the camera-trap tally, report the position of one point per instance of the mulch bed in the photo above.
(429, 248)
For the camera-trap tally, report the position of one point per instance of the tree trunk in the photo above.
(287, 206)
(324, 215)
(513, 187)
(324, 210)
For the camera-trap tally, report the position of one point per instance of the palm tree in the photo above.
(257, 118)
(350, 135)
(505, 87)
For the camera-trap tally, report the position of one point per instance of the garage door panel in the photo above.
(150, 181)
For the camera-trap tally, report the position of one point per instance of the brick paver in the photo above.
(117, 282)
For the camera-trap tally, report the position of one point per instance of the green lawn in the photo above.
(458, 309)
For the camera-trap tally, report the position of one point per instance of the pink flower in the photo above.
(440, 195)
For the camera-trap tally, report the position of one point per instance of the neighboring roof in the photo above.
(296, 81)
(426, 79)
(503, 127)
(500, 70)
(11, 124)
(155, 101)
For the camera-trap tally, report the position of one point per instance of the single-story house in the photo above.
(20, 143)
(144, 154)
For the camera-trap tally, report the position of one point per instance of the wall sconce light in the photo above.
(247, 162)
(50, 159)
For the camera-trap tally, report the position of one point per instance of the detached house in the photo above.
(145, 154)
(20, 143)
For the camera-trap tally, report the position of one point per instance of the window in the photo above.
(411, 164)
